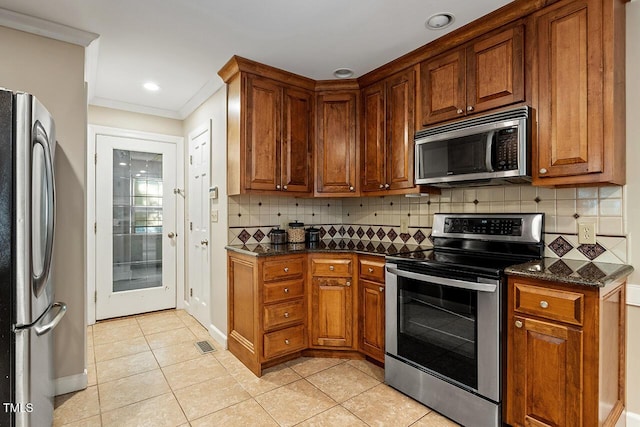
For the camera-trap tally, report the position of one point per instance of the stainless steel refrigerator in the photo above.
(28, 312)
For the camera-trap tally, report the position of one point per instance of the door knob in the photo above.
(171, 235)
(204, 242)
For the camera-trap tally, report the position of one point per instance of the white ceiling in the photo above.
(181, 44)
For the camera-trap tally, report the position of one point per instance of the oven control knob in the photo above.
(518, 324)
(544, 304)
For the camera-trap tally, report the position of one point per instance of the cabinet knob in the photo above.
(331, 268)
(278, 187)
(285, 290)
(286, 342)
(470, 108)
(370, 270)
(381, 289)
(459, 111)
(284, 188)
(286, 269)
(286, 315)
(518, 324)
(543, 171)
(352, 188)
(348, 283)
(386, 186)
(381, 185)
(544, 304)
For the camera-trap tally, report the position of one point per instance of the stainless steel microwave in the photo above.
(483, 150)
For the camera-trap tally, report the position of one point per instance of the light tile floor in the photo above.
(146, 371)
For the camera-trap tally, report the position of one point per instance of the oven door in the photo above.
(448, 327)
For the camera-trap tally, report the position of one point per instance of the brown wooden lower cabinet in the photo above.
(371, 280)
(565, 354)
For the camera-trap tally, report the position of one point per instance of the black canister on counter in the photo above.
(312, 235)
(277, 236)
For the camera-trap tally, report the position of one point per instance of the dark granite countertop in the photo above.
(327, 245)
(585, 273)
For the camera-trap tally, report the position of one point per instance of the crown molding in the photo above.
(204, 93)
(135, 108)
(45, 28)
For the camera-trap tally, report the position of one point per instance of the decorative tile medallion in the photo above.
(351, 245)
(591, 272)
(370, 247)
(560, 268)
(392, 234)
(258, 235)
(380, 233)
(360, 246)
(351, 231)
(405, 237)
(341, 231)
(419, 236)
(560, 246)
(244, 236)
(370, 233)
(430, 237)
(332, 231)
(591, 251)
(323, 232)
(360, 232)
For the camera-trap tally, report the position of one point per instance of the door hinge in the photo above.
(95, 296)
(190, 226)
(95, 227)
(190, 160)
(95, 158)
(190, 292)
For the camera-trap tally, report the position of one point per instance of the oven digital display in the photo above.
(490, 226)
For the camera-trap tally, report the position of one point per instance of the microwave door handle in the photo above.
(461, 284)
(488, 158)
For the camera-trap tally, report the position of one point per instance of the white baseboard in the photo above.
(71, 383)
(633, 420)
(633, 294)
(218, 335)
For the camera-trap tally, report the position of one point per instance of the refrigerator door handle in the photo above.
(43, 329)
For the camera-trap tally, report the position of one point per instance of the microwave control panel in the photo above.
(490, 226)
(506, 149)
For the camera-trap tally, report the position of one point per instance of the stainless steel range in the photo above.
(444, 313)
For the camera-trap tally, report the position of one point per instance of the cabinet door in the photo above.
(495, 71)
(297, 134)
(400, 129)
(443, 87)
(336, 167)
(374, 138)
(262, 168)
(545, 369)
(569, 81)
(372, 319)
(332, 312)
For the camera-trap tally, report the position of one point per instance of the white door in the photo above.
(135, 226)
(198, 217)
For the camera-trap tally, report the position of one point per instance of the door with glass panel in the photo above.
(135, 226)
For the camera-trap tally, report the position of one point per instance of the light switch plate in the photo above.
(404, 228)
(214, 215)
(587, 233)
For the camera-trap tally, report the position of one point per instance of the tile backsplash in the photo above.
(386, 216)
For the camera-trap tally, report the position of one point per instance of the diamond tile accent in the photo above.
(405, 237)
(592, 251)
(370, 247)
(244, 236)
(351, 231)
(351, 245)
(560, 268)
(332, 244)
(381, 248)
(391, 250)
(258, 235)
(323, 232)
(360, 246)
(370, 233)
(341, 231)
(332, 231)
(590, 271)
(431, 239)
(380, 233)
(419, 236)
(392, 234)
(360, 232)
(560, 246)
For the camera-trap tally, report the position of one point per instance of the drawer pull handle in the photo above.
(544, 304)
(348, 283)
(518, 324)
(286, 315)
(381, 289)
(331, 268)
(286, 269)
(370, 270)
(286, 342)
(286, 290)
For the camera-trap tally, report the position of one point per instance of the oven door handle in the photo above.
(462, 284)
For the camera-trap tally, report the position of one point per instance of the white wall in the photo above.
(54, 72)
(110, 117)
(215, 110)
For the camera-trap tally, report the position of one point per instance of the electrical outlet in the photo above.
(587, 233)
(214, 215)
(404, 228)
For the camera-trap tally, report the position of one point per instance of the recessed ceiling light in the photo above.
(439, 21)
(123, 164)
(343, 73)
(151, 86)
(143, 171)
(137, 174)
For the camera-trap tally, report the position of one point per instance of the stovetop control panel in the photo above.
(487, 226)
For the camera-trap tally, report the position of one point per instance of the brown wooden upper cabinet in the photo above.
(578, 81)
(337, 144)
(270, 131)
(484, 74)
(388, 128)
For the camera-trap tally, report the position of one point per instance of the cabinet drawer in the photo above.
(278, 315)
(280, 291)
(552, 304)
(372, 269)
(285, 341)
(283, 269)
(332, 267)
